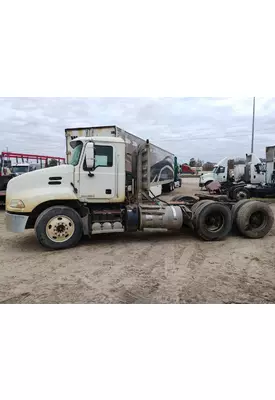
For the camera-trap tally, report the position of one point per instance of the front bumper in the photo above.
(16, 222)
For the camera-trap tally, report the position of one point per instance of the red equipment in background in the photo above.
(186, 169)
(27, 157)
(6, 156)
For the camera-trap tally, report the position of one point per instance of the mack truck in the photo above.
(105, 188)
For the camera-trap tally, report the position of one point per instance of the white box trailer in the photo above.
(162, 161)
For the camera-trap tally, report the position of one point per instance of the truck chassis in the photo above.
(242, 190)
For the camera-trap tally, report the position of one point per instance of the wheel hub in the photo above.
(241, 195)
(256, 220)
(60, 228)
(214, 222)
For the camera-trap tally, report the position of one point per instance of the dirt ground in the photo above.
(138, 268)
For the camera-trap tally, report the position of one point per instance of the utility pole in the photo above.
(253, 124)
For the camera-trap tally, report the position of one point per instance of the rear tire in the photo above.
(181, 197)
(58, 227)
(175, 198)
(213, 221)
(199, 204)
(255, 219)
(235, 209)
(240, 194)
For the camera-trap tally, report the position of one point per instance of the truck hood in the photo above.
(36, 187)
(209, 176)
(39, 176)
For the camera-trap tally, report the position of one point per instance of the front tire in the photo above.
(58, 227)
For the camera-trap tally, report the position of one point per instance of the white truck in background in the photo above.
(23, 168)
(251, 171)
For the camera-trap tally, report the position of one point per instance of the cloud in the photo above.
(207, 128)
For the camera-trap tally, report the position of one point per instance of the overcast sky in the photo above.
(206, 128)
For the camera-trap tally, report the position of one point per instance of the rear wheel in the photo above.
(213, 221)
(175, 198)
(187, 199)
(235, 209)
(200, 203)
(255, 219)
(171, 187)
(240, 194)
(58, 228)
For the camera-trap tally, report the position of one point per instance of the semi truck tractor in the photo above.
(265, 188)
(249, 171)
(105, 188)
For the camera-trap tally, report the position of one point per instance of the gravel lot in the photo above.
(138, 268)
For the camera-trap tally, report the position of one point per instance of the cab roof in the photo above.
(98, 139)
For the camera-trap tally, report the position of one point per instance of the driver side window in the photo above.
(221, 170)
(103, 157)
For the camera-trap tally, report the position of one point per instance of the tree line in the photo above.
(208, 165)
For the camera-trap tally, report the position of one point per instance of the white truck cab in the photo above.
(29, 194)
(106, 183)
(23, 168)
(252, 172)
(219, 173)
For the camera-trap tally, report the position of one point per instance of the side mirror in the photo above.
(90, 155)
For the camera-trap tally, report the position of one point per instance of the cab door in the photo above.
(222, 173)
(99, 184)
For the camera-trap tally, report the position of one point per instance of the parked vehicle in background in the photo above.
(15, 164)
(258, 180)
(250, 171)
(185, 169)
(23, 168)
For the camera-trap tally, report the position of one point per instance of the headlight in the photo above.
(17, 204)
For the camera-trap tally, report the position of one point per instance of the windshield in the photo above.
(215, 170)
(76, 154)
(20, 169)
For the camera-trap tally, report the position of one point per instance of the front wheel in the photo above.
(58, 227)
